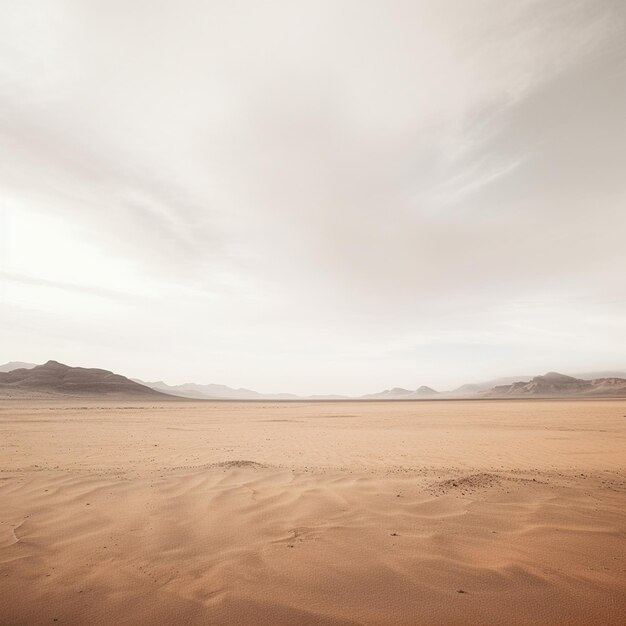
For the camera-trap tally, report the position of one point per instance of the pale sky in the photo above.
(314, 197)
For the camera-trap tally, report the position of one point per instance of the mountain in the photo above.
(222, 392)
(395, 393)
(16, 365)
(426, 391)
(56, 379)
(554, 384)
(398, 393)
(216, 392)
(326, 397)
(472, 389)
(604, 374)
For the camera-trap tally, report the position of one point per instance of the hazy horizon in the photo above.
(314, 197)
(504, 379)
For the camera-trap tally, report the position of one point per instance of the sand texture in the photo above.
(431, 512)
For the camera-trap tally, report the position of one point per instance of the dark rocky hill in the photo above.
(55, 379)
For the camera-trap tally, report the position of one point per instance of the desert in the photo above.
(353, 512)
(313, 313)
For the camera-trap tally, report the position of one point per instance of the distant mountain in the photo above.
(222, 392)
(326, 397)
(56, 379)
(177, 390)
(426, 391)
(16, 365)
(603, 374)
(398, 393)
(216, 392)
(471, 389)
(395, 393)
(554, 384)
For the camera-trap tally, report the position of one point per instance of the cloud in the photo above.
(471, 181)
(343, 176)
(90, 290)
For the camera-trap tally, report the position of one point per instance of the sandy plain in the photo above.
(428, 512)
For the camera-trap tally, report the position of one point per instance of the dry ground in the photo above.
(313, 513)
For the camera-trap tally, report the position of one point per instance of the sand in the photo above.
(461, 512)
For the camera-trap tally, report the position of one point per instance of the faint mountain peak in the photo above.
(396, 393)
(423, 390)
(472, 389)
(555, 377)
(16, 365)
(602, 374)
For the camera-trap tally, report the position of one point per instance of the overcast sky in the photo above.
(317, 196)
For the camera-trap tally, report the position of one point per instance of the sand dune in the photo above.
(269, 513)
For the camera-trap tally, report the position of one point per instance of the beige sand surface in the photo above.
(476, 512)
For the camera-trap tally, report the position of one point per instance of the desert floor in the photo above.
(473, 512)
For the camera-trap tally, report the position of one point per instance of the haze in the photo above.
(314, 197)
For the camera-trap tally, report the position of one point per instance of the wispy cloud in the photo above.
(88, 290)
(471, 181)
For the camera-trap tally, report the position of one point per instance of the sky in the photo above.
(314, 197)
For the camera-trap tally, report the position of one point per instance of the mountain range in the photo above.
(398, 393)
(194, 390)
(19, 379)
(554, 384)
